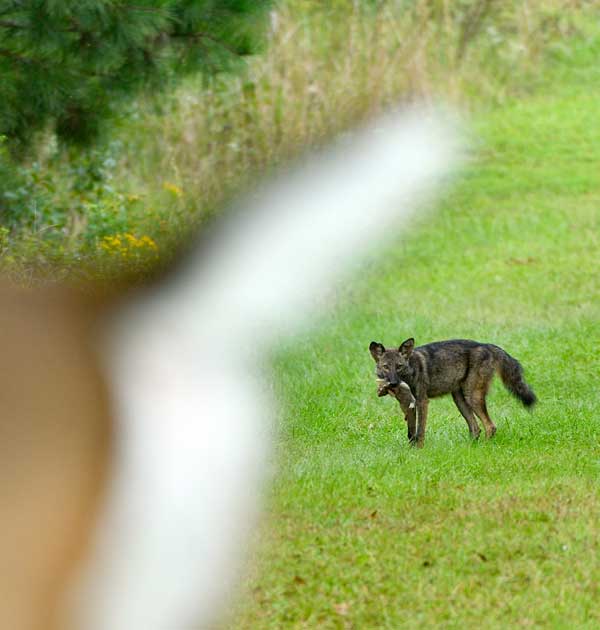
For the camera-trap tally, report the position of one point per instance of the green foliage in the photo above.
(59, 214)
(49, 194)
(70, 63)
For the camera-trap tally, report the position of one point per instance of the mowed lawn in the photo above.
(361, 531)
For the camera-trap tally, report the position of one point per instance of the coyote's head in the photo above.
(391, 364)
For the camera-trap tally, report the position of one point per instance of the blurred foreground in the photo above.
(170, 373)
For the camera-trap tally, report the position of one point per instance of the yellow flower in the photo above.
(128, 245)
(173, 189)
(146, 240)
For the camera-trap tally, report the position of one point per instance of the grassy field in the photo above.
(362, 531)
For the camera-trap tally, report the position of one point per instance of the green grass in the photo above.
(362, 531)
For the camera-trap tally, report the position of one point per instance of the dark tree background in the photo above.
(69, 62)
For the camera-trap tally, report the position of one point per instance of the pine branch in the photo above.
(12, 55)
(88, 55)
(200, 36)
(133, 7)
(13, 25)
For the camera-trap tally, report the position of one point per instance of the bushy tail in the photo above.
(511, 373)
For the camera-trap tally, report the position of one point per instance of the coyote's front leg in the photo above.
(422, 404)
(404, 396)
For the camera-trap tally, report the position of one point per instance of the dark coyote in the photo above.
(460, 367)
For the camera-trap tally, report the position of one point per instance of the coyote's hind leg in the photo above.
(476, 387)
(467, 413)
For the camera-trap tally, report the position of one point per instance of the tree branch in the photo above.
(14, 25)
(201, 36)
(11, 55)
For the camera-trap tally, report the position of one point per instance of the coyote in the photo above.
(460, 367)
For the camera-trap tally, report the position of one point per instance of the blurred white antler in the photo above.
(193, 427)
(297, 233)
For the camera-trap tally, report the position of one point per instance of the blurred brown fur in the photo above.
(54, 441)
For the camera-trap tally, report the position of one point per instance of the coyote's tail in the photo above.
(511, 373)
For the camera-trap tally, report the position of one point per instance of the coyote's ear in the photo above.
(407, 346)
(376, 350)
